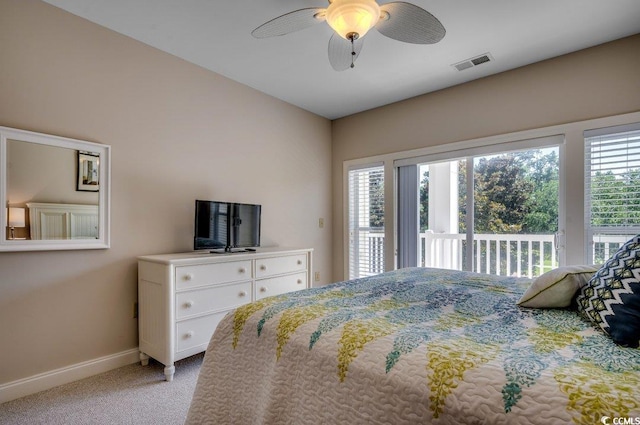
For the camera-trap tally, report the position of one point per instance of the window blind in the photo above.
(499, 148)
(612, 189)
(366, 221)
(612, 183)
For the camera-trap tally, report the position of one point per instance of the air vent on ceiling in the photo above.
(470, 63)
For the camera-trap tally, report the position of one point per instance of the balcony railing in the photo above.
(500, 254)
(604, 246)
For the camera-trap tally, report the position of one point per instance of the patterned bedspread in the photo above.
(416, 346)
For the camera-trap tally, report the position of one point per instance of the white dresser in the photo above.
(183, 297)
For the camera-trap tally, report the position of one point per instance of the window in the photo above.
(366, 221)
(490, 210)
(612, 189)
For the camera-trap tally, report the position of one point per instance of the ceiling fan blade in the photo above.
(342, 54)
(409, 23)
(290, 22)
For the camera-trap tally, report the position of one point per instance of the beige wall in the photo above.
(597, 82)
(39, 173)
(178, 133)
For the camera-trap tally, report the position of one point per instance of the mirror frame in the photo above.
(104, 207)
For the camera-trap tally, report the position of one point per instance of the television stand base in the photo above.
(232, 251)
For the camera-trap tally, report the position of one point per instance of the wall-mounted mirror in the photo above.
(55, 192)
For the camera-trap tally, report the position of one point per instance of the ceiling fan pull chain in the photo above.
(352, 37)
(353, 54)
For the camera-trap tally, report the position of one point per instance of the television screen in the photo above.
(246, 225)
(226, 225)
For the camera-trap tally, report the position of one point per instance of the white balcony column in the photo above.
(443, 212)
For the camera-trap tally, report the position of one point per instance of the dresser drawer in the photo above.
(195, 302)
(207, 274)
(266, 267)
(280, 285)
(194, 332)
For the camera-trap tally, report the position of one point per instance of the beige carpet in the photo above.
(129, 395)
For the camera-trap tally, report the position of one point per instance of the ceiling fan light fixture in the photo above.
(352, 18)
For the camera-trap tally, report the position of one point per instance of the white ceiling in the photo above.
(216, 35)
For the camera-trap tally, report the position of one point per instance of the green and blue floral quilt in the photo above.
(415, 346)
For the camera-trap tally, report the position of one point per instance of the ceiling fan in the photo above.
(351, 19)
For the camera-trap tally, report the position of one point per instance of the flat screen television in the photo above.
(225, 226)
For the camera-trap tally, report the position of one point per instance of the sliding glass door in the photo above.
(491, 213)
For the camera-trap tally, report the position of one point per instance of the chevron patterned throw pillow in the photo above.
(611, 299)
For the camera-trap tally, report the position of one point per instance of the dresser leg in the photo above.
(144, 359)
(168, 372)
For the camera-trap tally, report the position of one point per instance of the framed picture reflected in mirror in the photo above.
(88, 172)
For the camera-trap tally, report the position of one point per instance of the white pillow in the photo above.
(556, 288)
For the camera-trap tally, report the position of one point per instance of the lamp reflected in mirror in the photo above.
(15, 218)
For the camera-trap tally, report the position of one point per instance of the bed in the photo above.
(415, 345)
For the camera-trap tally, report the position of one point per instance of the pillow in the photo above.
(556, 288)
(611, 299)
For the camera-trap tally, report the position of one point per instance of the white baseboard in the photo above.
(44, 381)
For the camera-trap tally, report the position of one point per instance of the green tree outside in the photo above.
(514, 193)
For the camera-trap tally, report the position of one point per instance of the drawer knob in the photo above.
(188, 304)
(299, 262)
(189, 334)
(242, 270)
(188, 276)
(263, 267)
(242, 294)
(263, 289)
(299, 281)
